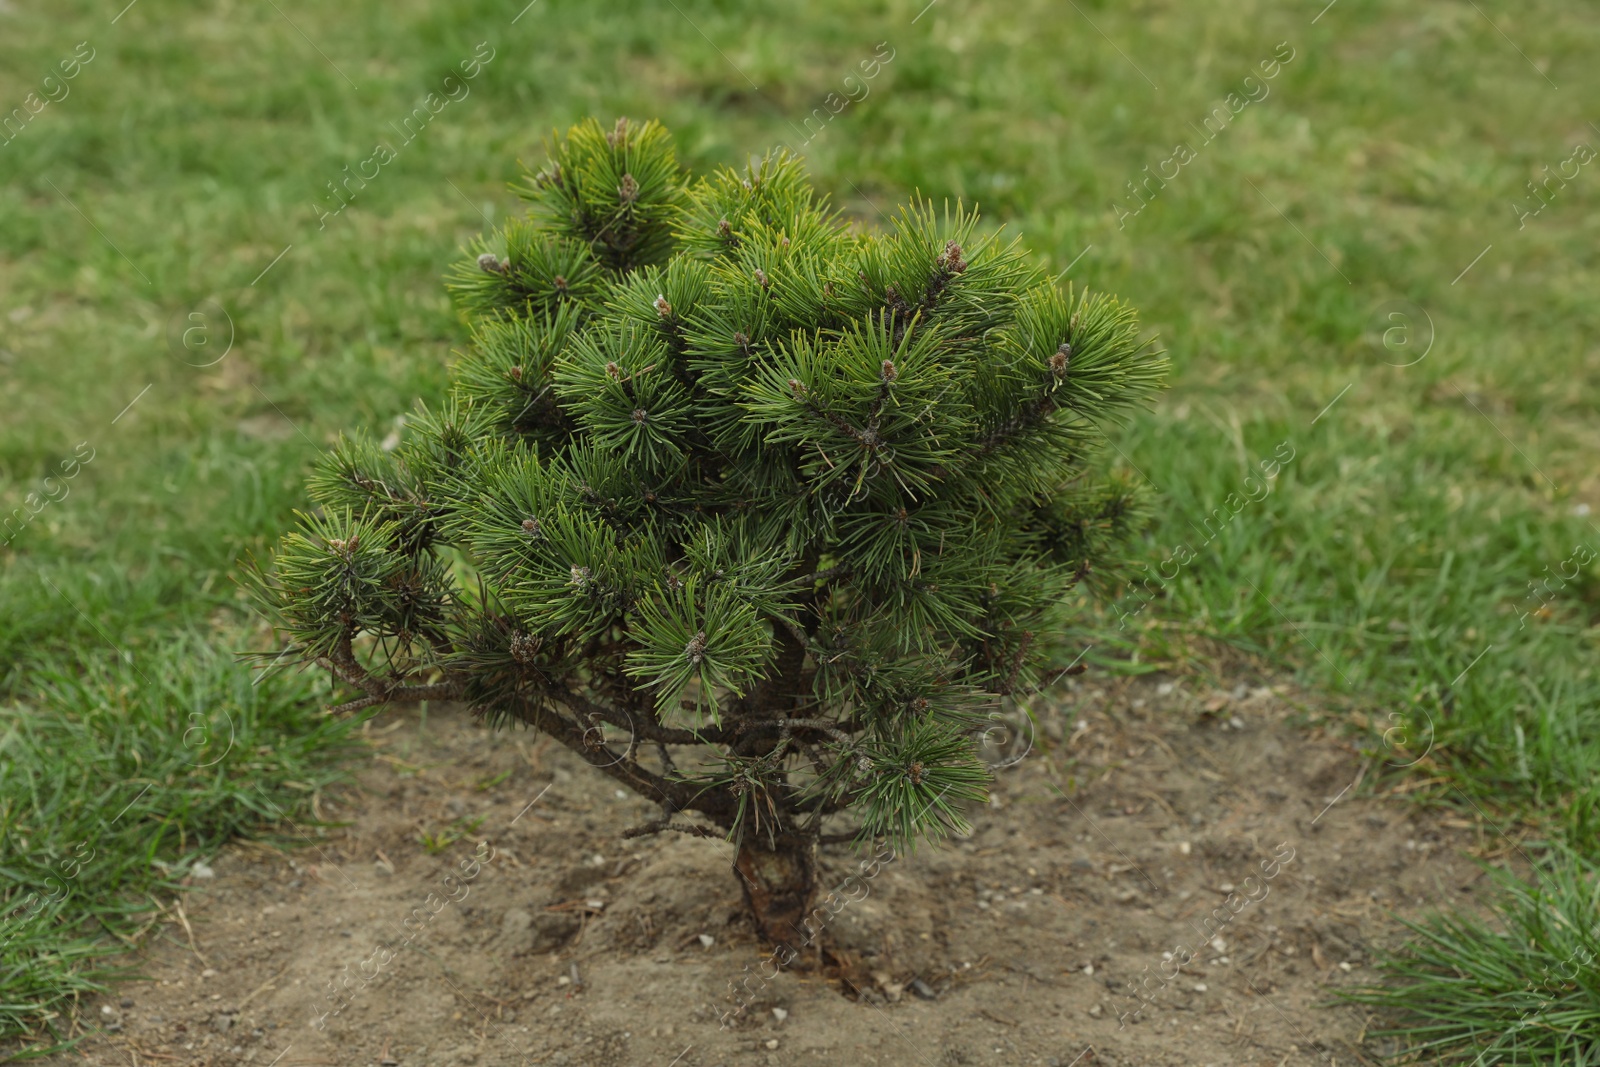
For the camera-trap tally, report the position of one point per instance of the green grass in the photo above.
(121, 773)
(1524, 989)
(1393, 551)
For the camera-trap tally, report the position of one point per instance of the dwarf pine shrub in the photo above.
(758, 512)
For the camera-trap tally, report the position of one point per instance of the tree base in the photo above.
(779, 880)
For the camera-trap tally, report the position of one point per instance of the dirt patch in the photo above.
(1203, 824)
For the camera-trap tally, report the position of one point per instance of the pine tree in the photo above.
(757, 513)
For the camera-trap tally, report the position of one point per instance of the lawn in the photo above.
(1366, 233)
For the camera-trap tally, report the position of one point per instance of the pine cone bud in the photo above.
(531, 527)
(613, 371)
(663, 308)
(696, 648)
(516, 374)
(640, 415)
(915, 772)
(1059, 361)
(524, 647)
(724, 230)
(761, 276)
(490, 263)
(619, 133)
(580, 576)
(628, 191)
(951, 259)
(888, 371)
(561, 283)
(797, 387)
(741, 342)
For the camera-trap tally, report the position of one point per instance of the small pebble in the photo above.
(208, 973)
(779, 1014)
(772, 1042)
(1199, 987)
(563, 980)
(201, 870)
(707, 940)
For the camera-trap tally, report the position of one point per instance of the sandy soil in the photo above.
(1018, 945)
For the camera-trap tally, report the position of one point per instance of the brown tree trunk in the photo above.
(779, 879)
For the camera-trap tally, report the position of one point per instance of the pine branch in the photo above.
(663, 826)
(401, 694)
(680, 795)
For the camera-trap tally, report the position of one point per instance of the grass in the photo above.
(185, 172)
(121, 774)
(1523, 989)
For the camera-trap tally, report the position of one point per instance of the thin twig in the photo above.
(184, 919)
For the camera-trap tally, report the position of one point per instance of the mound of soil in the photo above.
(1163, 877)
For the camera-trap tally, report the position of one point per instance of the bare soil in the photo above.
(1139, 812)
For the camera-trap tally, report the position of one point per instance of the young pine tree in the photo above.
(758, 513)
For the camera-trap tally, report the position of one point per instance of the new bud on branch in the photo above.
(760, 515)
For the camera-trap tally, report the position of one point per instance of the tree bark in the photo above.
(779, 879)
